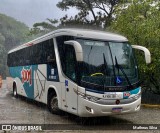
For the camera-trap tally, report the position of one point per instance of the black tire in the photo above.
(15, 91)
(53, 104)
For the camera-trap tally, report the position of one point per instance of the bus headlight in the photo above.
(91, 98)
(85, 96)
(136, 96)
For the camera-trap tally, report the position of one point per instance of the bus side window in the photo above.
(50, 58)
(70, 62)
(50, 54)
(67, 57)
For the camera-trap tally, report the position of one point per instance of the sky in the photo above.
(32, 11)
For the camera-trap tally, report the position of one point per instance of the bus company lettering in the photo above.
(26, 76)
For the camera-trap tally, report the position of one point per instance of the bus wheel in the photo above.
(15, 91)
(53, 104)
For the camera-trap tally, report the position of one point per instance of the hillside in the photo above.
(12, 33)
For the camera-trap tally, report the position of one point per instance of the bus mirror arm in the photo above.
(146, 52)
(78, 49)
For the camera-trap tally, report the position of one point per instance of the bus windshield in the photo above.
(108, 63)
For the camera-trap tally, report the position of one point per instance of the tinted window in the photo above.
(36, 54)
(67, 57)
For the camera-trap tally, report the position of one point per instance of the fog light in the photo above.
(137, 106)
(89, 110)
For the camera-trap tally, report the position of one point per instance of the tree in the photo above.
(12, 33)
(100, 10)
(2, 54)
(2, 39)
(97, 13)
(43, 27)
(140, 23)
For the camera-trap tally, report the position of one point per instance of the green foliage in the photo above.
(42, 28)
(12, 33)
(140, 23)
(2, 39)
(91, 14)
(101, 11)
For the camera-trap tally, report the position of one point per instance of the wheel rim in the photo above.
(54, 104)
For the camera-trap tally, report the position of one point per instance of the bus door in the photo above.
(69, 84)
(71, 96)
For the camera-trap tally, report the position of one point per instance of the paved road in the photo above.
(23, 111)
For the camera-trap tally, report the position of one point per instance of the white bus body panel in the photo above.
(105, 110)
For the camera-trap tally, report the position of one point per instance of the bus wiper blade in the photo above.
(114, 72)
(119, 67)
(89, 52)
(105, 64)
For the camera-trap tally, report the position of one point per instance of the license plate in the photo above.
(116, 110)
(109, 96)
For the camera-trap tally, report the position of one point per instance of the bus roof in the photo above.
(79, 33)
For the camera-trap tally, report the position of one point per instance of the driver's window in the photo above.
(70, 62)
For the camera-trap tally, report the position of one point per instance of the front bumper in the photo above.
(87, 108)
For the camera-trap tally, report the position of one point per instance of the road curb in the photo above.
(151, 105)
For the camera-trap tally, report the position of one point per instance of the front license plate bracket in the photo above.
(117, 110)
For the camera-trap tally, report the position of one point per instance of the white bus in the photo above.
(84, 72)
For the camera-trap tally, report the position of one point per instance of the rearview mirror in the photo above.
(146, 52)
(78, 49)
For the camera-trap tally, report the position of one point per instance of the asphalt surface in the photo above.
(24, 111)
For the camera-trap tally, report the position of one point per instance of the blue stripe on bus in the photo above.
(28, 84)
(132, 92)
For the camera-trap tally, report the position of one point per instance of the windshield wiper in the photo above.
(114, 72)
(105, 64)
(119, 67)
